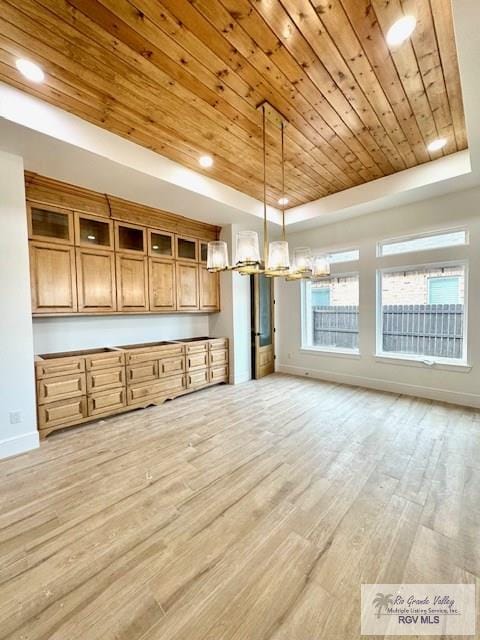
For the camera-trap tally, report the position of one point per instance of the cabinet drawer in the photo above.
(153, 353)
(219, 374)
(142, 372)
(197, 379)
(104, 360)
(106, 402)
(51, 389)
(63, 412)
(171, 366)
(218, 343)
(196, 347)
(218, 357)
(197, 361)
(58, 367)
(105, 379)
(168, 388)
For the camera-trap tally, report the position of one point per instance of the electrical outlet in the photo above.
(16, 417)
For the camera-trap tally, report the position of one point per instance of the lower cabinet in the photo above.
(107, 401)
(132, 282)
(52, 276)
(80, 386)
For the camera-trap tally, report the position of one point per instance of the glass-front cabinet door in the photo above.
(50, 224)
(130, 238)
(186, 248)
(203, 251)
(160, 244)
(93, 231)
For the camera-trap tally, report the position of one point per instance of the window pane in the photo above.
(344, 256)
(423, 311)
(434, 241)
(331, 308)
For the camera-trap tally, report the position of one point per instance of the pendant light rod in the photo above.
(265, 225)
(283, 182)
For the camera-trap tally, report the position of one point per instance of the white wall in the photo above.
(234, 319)
(461, 385)
(65, 334)
(17, 385)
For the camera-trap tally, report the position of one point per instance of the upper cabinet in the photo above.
(130, 238)
(92, 254)
(203, 251)
(92, 231)
(161, 244)
(186, 249)
(52, 278)
(50, 224)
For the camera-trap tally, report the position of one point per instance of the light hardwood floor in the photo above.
(239, 513)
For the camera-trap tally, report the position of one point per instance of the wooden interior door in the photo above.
(96, 280)
(263, 331)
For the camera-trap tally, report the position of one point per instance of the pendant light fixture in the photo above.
(276, 258)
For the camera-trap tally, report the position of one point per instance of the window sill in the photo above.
(426, 363)
(324, 351)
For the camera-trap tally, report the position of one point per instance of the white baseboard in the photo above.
(431, 393)
(19, 444)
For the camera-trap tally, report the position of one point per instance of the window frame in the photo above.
(411, 357)
(418, 236)
(306, 320)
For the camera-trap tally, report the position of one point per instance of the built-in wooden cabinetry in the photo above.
(91, 254)
(76, 387)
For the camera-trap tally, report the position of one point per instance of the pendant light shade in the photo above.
(278, 259)
(321, 267)
(217, 256)
(302, 263)
(247, 252)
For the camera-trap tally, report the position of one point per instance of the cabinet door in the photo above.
(50, 224)
(96, 280)
(186, 249)
(160, 244)
(93, 231)
(162, 285)
(132, 287)
(209, 290)
(130, 238)
(187, 286)
(52, 278)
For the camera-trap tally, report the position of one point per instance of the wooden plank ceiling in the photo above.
(184, 77)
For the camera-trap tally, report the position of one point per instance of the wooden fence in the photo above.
(423, 329)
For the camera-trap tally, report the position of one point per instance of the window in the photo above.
(330, 313)
(422, 312)
(444, 290)
(422, 243)
(343, 256)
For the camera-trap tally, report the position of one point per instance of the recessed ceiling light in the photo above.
(436, 145)
(401, 30)
(206, 161)
(30, 70)
(283, 201)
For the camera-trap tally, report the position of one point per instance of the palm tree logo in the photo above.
(382, 601)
